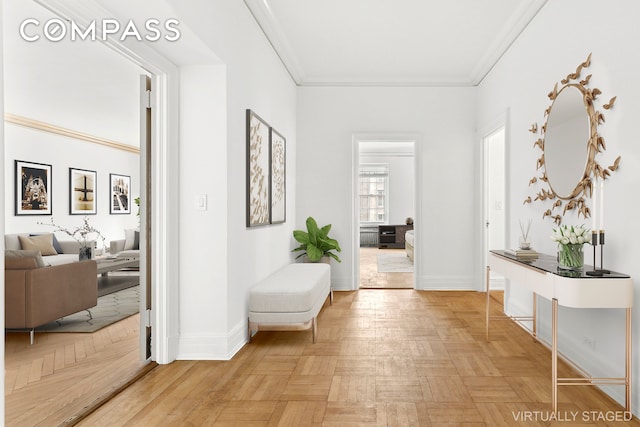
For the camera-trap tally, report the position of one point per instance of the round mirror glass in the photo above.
(566, 142)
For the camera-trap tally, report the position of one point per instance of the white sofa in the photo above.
(64, 251)
(129, 247)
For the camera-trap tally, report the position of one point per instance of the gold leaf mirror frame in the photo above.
(572, 199)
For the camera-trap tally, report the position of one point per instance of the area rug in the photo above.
(111, 308)
(394, 263)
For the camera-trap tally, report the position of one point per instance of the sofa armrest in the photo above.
(57, 291)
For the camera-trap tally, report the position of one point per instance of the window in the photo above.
(374, 192)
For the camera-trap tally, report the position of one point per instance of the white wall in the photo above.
(255, 79)
(84, 87)
(558, 39)
(203, 171)
(328, 119)
(63, 153)
(401, 185)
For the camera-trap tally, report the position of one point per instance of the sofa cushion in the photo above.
(19, 259)
(129, 239)
(62, 259)
(42, 243)
(55, 243)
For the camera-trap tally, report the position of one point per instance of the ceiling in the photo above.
(391, 42)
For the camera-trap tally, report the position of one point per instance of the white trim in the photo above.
(276, 37)
(17, 120)
(502, 120)
(2, 206)
(523, 17)
(446, 283)
(282, 47)
(357, 138)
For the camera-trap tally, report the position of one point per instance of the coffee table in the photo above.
(105, 265)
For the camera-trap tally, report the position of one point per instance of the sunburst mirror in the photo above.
(569, 141)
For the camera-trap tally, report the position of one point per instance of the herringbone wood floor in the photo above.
(392, 357)
(62, 373)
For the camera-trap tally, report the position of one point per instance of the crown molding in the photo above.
(276, 37)
(58, 130)
(522, 18)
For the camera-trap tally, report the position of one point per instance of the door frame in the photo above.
(164, 206)
(501, 121)
(355, 207)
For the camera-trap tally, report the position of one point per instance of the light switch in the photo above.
(201, 202)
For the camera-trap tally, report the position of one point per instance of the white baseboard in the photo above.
(212, 346)
(447, 283)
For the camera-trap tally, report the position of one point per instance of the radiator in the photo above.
(369, 236)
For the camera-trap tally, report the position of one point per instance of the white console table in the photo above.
(568, 289)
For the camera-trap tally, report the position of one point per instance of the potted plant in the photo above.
(315, 242)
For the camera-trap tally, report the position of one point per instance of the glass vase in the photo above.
(570, 257)
(85, 253)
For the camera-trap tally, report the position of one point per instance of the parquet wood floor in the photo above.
(62, 373)
(392, 357)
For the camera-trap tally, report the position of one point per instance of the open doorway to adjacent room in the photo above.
(51, 121)
(386, 213)
(495, 213)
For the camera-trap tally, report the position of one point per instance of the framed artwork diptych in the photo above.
(257, 170)
(277, 184)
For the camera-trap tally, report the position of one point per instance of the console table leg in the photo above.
(488, 302)
(534, 327)
(554, 354)
(627, 397)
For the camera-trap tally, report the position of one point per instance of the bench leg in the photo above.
(331, 296)
(249, 327)
(314, 328)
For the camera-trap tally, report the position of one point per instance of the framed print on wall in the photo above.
(277, 184)
(33, 188)
(82, 192)
(257, 170)
(119, 188)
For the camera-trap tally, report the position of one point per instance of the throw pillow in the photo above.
(56, 244)
(17, 253)
(129, 239)
(42, 243)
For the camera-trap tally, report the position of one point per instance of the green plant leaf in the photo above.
(301, 236)
(324, 231)
(334, 256)
(314, 253)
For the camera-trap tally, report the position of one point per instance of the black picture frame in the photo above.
(83, 189)
(278, 178)
(33, 190)
(119, 194)
(257, 173)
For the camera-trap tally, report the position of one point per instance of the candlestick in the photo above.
(594, 209)
(602, 206)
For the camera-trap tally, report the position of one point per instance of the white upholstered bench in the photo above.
(290, 298)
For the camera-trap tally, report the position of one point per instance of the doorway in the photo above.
(494, 206)
(138, 352)
(386, 206)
